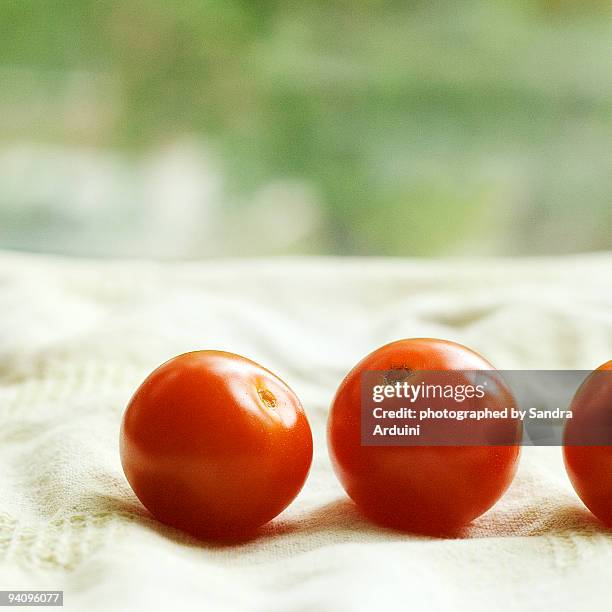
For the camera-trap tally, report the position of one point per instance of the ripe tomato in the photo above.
(215, 444)
(590, 467)
(426, 489)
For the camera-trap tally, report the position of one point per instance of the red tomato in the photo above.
(215, 444)
(590, 467)
(426, 489)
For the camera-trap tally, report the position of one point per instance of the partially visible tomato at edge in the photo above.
(214, 444)
(423, 489)
(589, 467)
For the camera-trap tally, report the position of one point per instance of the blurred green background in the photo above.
(207, 128)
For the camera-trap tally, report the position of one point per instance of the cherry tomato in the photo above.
(215, 444)
(426, 489)
(589, 467)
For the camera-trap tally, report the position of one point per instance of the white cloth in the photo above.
(77, 337)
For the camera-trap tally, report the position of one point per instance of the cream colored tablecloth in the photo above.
(77, 337)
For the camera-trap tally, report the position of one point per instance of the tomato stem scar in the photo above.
(267, 397)
(397, 373)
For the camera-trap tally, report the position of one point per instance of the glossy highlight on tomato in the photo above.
(589, 466)
(423, 489)
(214, 444)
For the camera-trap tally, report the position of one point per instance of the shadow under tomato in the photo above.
(344, 519)
(132, 510)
